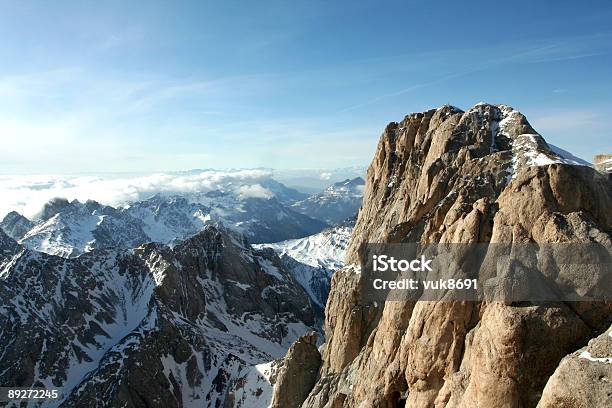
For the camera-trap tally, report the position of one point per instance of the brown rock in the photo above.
(583, 379)
(298, 374)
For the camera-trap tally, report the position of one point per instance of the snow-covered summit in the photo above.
(510, 130)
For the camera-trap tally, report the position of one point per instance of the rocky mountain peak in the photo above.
(298, 373)
(448, 176)
(603, 163)
(53, 207)
(423, 163)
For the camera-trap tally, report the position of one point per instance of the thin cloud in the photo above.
(27, 194)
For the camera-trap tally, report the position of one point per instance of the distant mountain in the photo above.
(314, 181)
(283, 193)
(70, 228)
(260, 219)
(336, 203)
(153, 326)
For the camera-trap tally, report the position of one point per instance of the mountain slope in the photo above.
(312, 260)
(448, 176)
(155, 326)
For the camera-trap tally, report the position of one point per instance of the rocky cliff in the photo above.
(448, 176)
(298, 373)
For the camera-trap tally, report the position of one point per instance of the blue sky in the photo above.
(156, 86)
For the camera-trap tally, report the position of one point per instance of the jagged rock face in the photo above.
(583, 378)
(445, 176)
(154, 326)
(338, 202)
(8, 246)
(298, 373)
(15, 225)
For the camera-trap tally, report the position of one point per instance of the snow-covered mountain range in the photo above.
(261, 211)
(165, 302)
(124, 306)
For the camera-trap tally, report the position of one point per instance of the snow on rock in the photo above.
(528, 149)
(255, 385)
(312, 260)
(586, 355)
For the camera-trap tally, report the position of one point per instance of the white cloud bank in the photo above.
(27, 194)
(254, 191)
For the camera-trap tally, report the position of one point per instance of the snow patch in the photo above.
(587, 356)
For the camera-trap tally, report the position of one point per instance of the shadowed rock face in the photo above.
(298, 374)
(154, 326)
(8, 247)
(447, 176)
